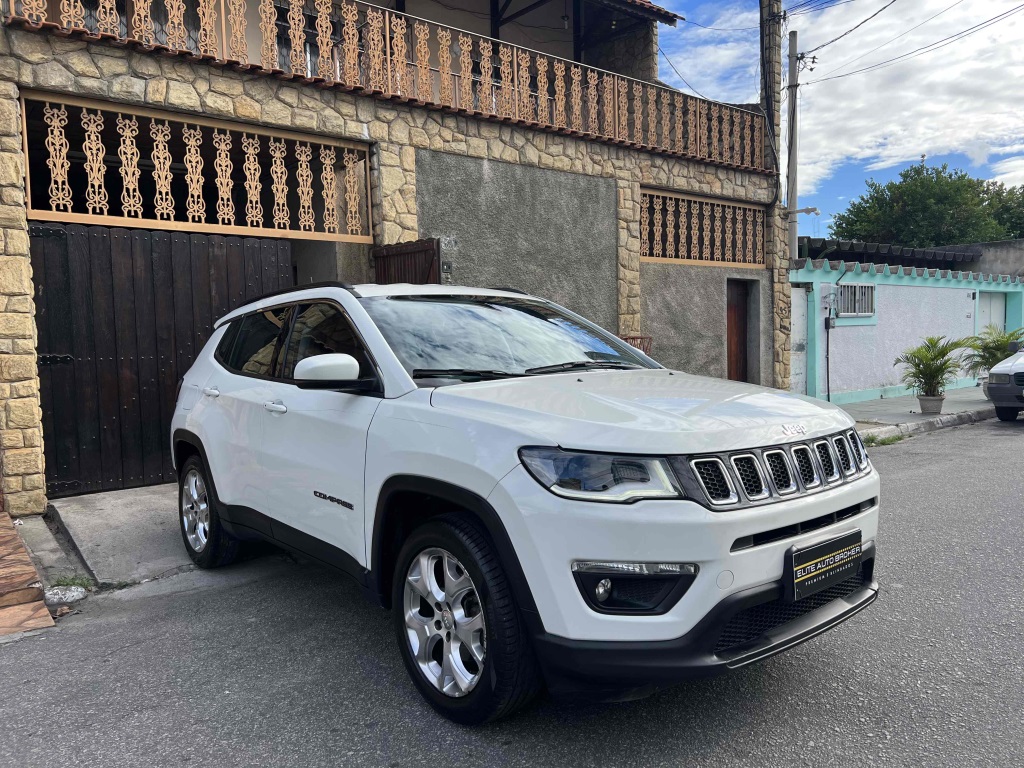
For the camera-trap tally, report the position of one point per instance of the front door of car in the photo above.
(231, 405)
(314, 441)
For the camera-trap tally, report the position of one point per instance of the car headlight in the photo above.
(999, 378)
(600, 476)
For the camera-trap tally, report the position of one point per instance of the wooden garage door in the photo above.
(122, 315)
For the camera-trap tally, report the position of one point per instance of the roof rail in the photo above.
(324, 284)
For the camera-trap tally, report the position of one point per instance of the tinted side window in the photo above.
(256, 346)
(321, 329)
(227, 342)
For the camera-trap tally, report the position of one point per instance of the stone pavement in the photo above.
(902, 415)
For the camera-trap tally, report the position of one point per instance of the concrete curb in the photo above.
(930, 425)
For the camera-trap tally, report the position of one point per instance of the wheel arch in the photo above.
(407, 501)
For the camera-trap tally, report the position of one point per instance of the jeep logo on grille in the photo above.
(792, 430)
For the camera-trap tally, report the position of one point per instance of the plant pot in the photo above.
(930, 404)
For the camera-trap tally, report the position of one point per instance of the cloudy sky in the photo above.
(961, 104)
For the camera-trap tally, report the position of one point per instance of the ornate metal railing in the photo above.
(686, 229)
(89, 162)
(361, 47)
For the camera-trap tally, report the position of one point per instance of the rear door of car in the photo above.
(232, 405)
(314, 441)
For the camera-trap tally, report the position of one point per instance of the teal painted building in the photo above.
(851, 319)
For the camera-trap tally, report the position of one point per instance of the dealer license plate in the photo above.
(820, 566)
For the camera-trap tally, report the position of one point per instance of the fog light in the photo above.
(602, 590)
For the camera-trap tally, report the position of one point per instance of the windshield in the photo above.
(493, 336)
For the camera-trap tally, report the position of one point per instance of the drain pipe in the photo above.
(828, 327)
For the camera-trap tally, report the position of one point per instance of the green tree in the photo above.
(930, 206)
(1007, 205)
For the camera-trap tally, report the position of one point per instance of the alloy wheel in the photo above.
(195, 510)
(444, 622)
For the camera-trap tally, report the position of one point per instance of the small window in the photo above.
(321, 329)
(255, 350)
(856, 300)
(227, 342)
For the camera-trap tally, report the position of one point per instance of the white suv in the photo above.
(539, 503)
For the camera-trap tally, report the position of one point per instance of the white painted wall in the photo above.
(862, 356)
(798, 350)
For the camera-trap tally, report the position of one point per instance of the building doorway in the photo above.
(737, 329)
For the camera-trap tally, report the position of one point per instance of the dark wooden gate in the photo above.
(417, 262)
(122, 315)
(736, 329)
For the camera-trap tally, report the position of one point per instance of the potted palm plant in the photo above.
(930, 367)
(991, 346)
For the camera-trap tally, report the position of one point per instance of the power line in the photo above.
(893, 39)
(851, 29)
(949, 40)
(678, 74)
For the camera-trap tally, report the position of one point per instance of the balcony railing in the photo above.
(360, 47)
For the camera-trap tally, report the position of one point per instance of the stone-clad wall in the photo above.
(20, 416)
(44, 62)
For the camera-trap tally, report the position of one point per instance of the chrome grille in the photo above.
(843, 452)
(828, 464)
(750, 476)
(778, 469)
(763, 475)
(712, 476)
(805, 465)
(858, 452)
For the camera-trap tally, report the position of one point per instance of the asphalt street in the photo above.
(274, 663)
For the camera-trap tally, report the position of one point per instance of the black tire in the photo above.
(509, 677)
(1006, 414)
(220, 547)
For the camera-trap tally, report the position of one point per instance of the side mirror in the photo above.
(331, 371)
(1014, 347)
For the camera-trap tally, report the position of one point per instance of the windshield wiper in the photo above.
(581, 364)
(459, 373)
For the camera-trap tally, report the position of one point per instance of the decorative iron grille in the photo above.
(91, 162)
(701, 230)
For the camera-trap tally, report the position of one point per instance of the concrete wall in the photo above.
(798, 355)
(1002, 258)
(684, 310)
(543, 231)
(862, 355)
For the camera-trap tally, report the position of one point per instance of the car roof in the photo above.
(408, 289)
(364, 290)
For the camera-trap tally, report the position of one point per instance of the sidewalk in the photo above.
(902, 415)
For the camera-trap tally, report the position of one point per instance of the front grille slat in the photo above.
(711, 473)
(1018, 379)
(828, 464)
(805, 466)
(749, 625)
(858, 452)
(845, 458)
(750, 476)
(778, 468)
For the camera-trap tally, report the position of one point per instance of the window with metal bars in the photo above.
(856, 300)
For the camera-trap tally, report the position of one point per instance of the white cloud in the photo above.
(1010, 171)
(967, 97)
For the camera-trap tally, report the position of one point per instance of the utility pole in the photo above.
(794, 71)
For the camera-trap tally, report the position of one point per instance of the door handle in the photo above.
(276, 407)
(211, 391)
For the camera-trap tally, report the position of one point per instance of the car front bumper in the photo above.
(617, 671)
(1006, 395)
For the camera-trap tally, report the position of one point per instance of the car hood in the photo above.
(1012, 364)
(648, 411)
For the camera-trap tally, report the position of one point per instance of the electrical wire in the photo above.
(851, 29)
(679, 74)
(949, 40)
(893, 39)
